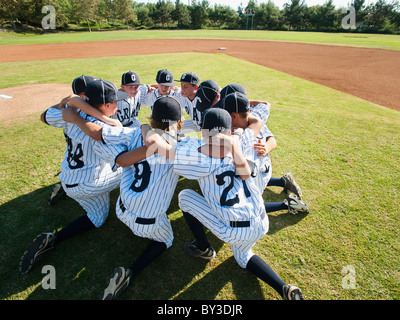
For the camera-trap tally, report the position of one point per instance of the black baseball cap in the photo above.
(230, 88)
(190, 77)
(80, 83)
(165, 78)
(101, 91)
(130, 78)
(216, 120)
(206, 92)
(236, 102)
(167, 108)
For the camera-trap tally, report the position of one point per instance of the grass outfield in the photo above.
(342, 150)
(390, 42)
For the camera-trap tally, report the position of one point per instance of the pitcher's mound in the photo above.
(23, 100)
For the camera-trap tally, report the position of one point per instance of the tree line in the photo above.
(381, 16)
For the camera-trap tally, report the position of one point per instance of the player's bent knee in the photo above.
(98, 220)
(188, 198)
(183, 198)
(242, 258)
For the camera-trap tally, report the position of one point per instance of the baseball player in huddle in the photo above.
(238, 106)
(231, 206)
(79, 85)
(88, 171)
(188, 98)
(261, 110)
(207, 94)
(140, 205)
(166, 84)
(128, 109)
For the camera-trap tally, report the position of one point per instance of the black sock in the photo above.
(198, 231)
(275, 206)
(262, 270)
(276, 182)
(152, 251)
(79, 225)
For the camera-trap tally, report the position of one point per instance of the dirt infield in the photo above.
(371, 74)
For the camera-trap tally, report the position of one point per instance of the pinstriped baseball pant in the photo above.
(95, 199)
(241, 240)
(160, 231)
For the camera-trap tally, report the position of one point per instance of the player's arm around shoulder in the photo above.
(79, 103)
(255, 124)
(53, 117)
(130, 157)
(91, 129)
(255, 103)
(261, 110)
(129, 137)
(242, 166)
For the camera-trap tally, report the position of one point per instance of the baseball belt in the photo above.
(243, 224)
(138, 220)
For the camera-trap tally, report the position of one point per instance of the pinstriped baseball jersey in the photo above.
(151, 97)
(230, 197)
(85, 159)
(192, 124)
(262, 112)
(264, 167)
(227, 200)
(128, 109)
(146, 187)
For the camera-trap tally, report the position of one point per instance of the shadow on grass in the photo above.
(84, 263)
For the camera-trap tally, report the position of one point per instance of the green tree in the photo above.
(222, 16)
(359, 6)
(14, 10)
(394, 16)
(180, 14)
(378, 14)
(85, 10)
(124, 10)
(198, 14)
(143, 14)
(162, 13)
(323, 16)
(268, 16)
(103, 11)
(294, 13)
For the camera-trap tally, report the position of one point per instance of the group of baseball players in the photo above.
(109, 148)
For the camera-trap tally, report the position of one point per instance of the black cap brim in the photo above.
(121, 95)
(168, 84)
(133, 84)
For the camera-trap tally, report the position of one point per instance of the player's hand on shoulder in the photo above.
(152, 87)
(149, 136)
(64, 101)
(113, 122)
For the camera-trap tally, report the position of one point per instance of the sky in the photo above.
(279, 3)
